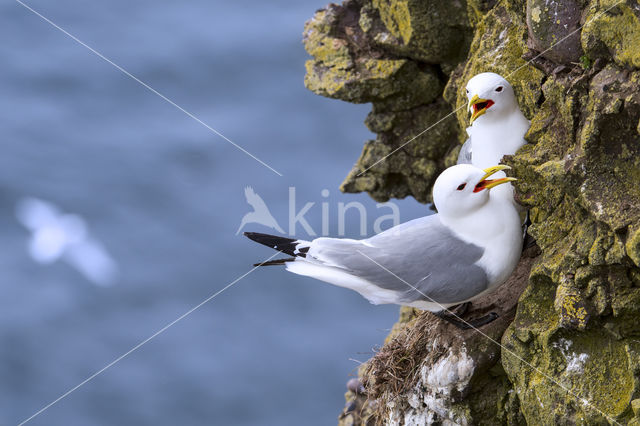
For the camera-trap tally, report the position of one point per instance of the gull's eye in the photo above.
(461, 186)
(467, 90)
(499, 89)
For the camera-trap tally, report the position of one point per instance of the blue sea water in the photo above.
(165, 196)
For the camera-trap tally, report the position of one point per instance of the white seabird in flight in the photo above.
(497, 124)
(469, 248)
(60, 236)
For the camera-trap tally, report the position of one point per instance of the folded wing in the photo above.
(420, 260)
(464, 157)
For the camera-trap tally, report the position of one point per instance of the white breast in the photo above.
(492, 140)
(497, 229)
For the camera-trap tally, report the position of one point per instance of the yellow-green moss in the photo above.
(595, 387)
(633, 245)
(571, 353)
(427, 30)
(396, 17)
(615, 32)
(498, 46)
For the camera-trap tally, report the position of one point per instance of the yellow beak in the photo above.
(490, 183)
(478, 106)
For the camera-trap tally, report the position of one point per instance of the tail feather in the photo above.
(283, 244)
(275, 262)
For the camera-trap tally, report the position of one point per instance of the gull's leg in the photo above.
(527, 240)
(444, 315)
(525, 225)
(460, 309)
(479, 322)
(465, 325)
(454, 313)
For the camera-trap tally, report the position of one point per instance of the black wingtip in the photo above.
(283, 244)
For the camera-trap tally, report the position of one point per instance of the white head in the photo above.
(490, 96)
(462, 189)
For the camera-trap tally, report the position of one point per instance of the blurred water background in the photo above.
(165, 197)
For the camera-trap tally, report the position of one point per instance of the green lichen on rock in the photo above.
(579, 179)
(552, 21)
(425, 30)
(613, 32)
(429, 371)
(572, 353)
(407, 170)
(498, 46)
(372, 52)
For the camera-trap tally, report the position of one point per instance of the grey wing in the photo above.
(421, 260)
(464, 157)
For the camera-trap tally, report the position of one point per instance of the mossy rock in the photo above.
(572, 354)
(554, 29)
(613, 32)
(366, 52)
(425, 30)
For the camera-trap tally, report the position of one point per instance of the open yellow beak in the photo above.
(478, 106)
(490, 183)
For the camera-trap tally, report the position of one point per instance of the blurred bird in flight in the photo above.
(61, 236)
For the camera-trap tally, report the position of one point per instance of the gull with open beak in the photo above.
(497, 124)
(468, 248)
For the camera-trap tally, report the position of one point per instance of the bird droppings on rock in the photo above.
(575, 362)
(399, 371)
(578, 176)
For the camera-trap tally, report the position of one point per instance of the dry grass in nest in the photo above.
(394, 371)
(396, 366)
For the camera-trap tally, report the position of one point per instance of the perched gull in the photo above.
(470, 247)
(497, 124)
(56, 236)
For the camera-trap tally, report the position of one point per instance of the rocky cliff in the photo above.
(566, 349)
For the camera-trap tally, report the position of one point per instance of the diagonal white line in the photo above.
(508, 75)
(551, 379)
(409, 141)
(139, 345)
(145, 85)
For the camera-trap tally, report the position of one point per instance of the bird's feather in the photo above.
(283, 244)
(464, 157)
(34, 213)
(418, 260)
(422, 253)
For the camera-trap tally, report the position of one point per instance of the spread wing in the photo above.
(423, 253)
(34, 213)
(91, 259)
